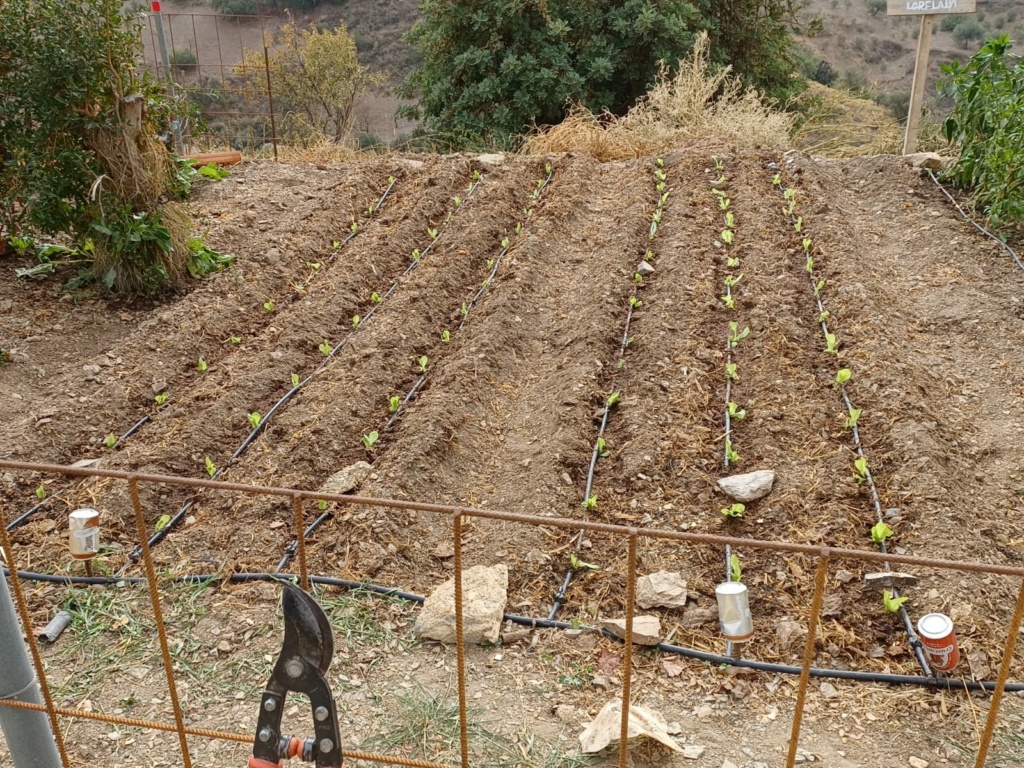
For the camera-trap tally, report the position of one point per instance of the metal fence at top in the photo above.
(824, 557)
(219, 65)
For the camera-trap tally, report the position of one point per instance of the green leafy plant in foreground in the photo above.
(843, 375)
(735, 412)
(892, 604)
(254, 419)
(211, 468)
(161, 398)
(734, 510)
(370, 439)
(202, 365)
(446, 336)
(590, 503)
(831, 344)
(576, 564)
(860, 469)
(880, 532)
(269, 305)
(110, 440)
(296, 380)
(731, 372)
(613, 399)
(394, 403)
(162, 522)
(326, 348)
(602, 449)
(735, 572)
(41, 492)
(213, 171)
(853, 417)
(736, 335)
(422, 363)
(728, 300)
(730, 453)
(356, 319)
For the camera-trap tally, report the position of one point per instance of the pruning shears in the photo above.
(301, 668)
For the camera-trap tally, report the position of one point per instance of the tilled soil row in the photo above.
(163, 350)
(211, 418)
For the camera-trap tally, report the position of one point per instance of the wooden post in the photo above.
(924, 44)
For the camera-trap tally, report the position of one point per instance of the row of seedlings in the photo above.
(398, 403)
(732, 594)
(644, 269)
(257, 421)
(112, 441)
(892, 601)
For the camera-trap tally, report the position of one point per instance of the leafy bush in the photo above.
(876, 6)
(184, 58)
(987, 124)
(951, 21)
(236, 7)
(968, 32)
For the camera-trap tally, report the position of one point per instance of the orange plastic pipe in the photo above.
(221, 158)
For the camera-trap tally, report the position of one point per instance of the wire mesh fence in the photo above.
(823, 557)
(219, 65)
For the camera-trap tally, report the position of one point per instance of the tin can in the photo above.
(734, 611)
(939, 641)
(84, 533)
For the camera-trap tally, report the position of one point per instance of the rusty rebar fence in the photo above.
(824, 557)
(221, 65)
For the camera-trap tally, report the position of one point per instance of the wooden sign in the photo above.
(929, 7)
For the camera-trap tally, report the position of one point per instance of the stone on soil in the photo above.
(790, 634)
(646, 629)
(484, 594)
(644, 269)
(917, 762)
(348, 479)
(931, 160)
(663, 589)
(750, 486)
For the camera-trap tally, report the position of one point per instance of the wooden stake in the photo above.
(924, 44)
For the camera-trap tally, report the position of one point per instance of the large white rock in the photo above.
(931, 160)
(750, 486)
(646, 629)
(484, 594)
(663, 589)
(347, 479)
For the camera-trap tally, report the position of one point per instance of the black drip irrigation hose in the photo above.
(940, 683)
(137, 552)
(1002, 243)
(912, 638)
(161, 534)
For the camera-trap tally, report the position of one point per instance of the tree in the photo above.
(79, 152)
(317, 80)
(492, 67)
(876, 7)
(968, 33)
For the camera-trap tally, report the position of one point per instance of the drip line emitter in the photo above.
(84, 535)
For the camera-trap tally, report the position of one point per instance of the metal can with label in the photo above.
(939, 641)
(84, 533)
(734, 611)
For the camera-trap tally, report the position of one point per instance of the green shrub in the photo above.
(235, 7)
(951, 22)
(987, 124)
(184, 58)
(876, 6)
(968, 32)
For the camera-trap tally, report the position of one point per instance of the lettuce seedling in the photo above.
(576, 564)
(458, 201)
(590, 503)
(880, 532)
(734, 568)
(843, 375)
(269, 305)
(660, 162)
(735, 412)
(254, 419)
(728, 300)
(851, 420)
(860, 469)
(295, 380)
(621, 364)
(824, 316)
(727, 236)
(463, 310)
(161, 398)
(736, 335)
(731, 280)
(734, 510)
(236, 340)
(376, 298)
(809, 265)
(613, 399)
(415, 254)
(730, 372)
(432, 233)
(394, 403)
(423, 363)
(446, 336)
(892, 604)
(162, 522)
(505, 242)
(817, 288)
(370, 439)
(326, 348)
(602, 449)
(806, 244)
(321, 505)
(356, 320)
(211, 469)
(798, 225)
(730, 454)
(110, 440)
(831, 344)
(732, 262)
(777, 180)
(202, 366)
(730, 220)
(355, 226)
(634, 301)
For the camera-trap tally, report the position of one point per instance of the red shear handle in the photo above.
(255, 762)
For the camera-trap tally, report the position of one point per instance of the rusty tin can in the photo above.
(84, 533)
(939, 641)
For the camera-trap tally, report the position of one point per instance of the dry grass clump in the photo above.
(693, 106)
(323, 152)
(836, 123)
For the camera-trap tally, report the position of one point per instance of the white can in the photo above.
(734, 611)
(84, 533)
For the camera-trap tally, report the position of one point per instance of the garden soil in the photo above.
(502, 382)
